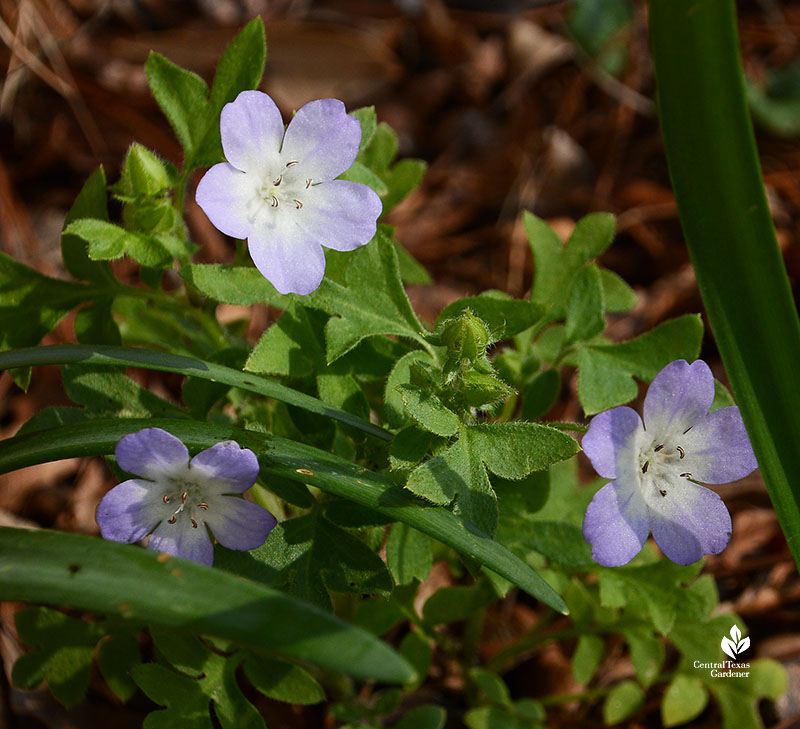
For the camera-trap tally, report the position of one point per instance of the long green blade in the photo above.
(99, 354)
(91, 574)
(298, 462)
(714, 167)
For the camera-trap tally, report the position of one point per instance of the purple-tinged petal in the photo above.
(611, 443)
(228, 197)
(151, 453)
(340, 214)
(291, 264)
(130, 511)
(251, 129)
(323, 139)
(239, 524)
(616, 524)
(717, 448)
(689, 522)
(678, 397)
(228, 467)
(183, 540)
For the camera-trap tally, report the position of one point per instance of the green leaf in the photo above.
(617, 295)
(360, 173)
(239, 285)
(183, 97)
(622, 702)
(66, 647)
(510, 450)
(776, 103)
(292, 346)
(585, 318)
(492, 687)
(647, 653)
(408, 554)
(112, 393)
(738, 697)
(541, 394)
(428, 410)
(555, 266)
(136, 357)
(427, 716)
(451, 604)
(240, 67)
(108, 242)
(401, 179)
(369, 121)
(684, 700)
(92, 202)
(94, 324)
(727, 223)
(283, 681)
(305, 555)
(417, 650)
(606, 371)
(505, 316)
(411, 270)
(381, 150)
(187, 704)
(295, 462)
(31, 305)
(372, 303)
(93, 574)
(409, 447)
(560, 542)
(116, 658)
(513, 450)
(656, 590)
(586, 658)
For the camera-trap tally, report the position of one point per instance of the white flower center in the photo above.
(186, 498)
(285, 190)
(662, 461)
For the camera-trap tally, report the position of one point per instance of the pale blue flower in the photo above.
(278, 189)
(179, 500)
(655, 467)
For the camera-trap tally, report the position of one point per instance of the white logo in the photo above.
(735, 645)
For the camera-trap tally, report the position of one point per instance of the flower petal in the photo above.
(718, 449)
(689, 521)
(678, 397)
(616, 524)
(183, 540)
(251, 129)
(151, 453)
(130, 511)
(323, 139)
(611, 443)
(239, 524)
(292, 264)
(228, 467)
(340, 214)
(228, 197)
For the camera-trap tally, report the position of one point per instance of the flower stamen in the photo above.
(308, 182)
(202, 505)
(663, 492)
(194, 524)
(681, 451)
(658, 448)
(291, 163)
(685, 475)
(645, 466)
(166, 499)
(278, 181)
(275, 202)
(297, 204)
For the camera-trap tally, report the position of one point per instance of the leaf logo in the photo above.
(735, 645)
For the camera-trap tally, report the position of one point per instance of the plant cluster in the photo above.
(371, 445)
